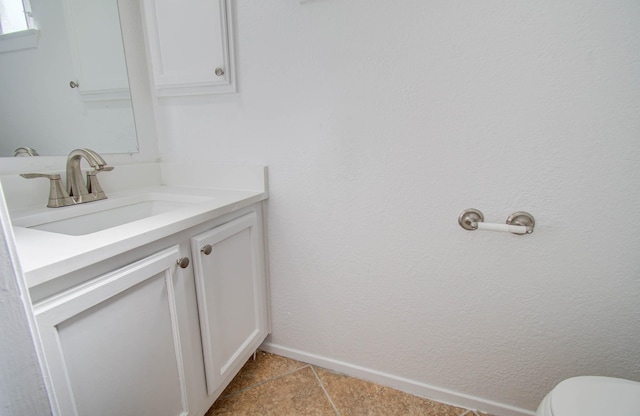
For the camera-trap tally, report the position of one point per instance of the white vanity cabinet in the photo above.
(232, 296)
(143, 336)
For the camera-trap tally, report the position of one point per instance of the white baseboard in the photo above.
(409, 386)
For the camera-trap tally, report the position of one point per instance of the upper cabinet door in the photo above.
(190, 45)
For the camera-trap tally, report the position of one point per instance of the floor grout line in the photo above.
(244, 389)
(326, 393)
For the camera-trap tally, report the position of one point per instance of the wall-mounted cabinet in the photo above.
(190, 46)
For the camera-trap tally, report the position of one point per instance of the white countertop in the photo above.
(47, 255)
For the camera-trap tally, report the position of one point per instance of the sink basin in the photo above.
(101, 215)
(102, 220)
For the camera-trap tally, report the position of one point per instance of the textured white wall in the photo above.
(22, 390)
(381, 121)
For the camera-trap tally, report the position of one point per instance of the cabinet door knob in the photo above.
(219, 71)
(206, 250)
(183, 262)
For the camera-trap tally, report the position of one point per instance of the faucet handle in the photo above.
(58, 197)
(93, 186)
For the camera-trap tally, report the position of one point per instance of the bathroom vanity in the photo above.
(150, 301)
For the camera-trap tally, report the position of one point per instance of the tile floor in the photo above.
(274, 385)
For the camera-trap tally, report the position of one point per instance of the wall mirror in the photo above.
(71, 90)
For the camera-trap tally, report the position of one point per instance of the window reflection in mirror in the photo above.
(14, 16)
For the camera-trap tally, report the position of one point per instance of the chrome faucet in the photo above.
(78, 191)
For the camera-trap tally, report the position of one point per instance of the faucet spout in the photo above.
(76, 185)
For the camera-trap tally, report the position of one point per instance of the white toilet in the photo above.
(592, 396)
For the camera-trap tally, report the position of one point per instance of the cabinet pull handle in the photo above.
(183, 262)
(206, 250)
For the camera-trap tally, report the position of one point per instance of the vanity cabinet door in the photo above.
(231, 292)
(112, 346)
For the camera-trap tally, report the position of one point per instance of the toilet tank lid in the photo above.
(592, 395)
